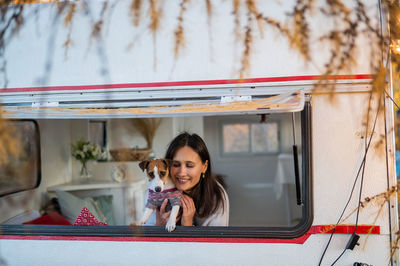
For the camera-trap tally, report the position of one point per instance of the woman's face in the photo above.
(187, 168)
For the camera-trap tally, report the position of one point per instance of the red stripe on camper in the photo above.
(185, 83)
(347, 229)
(299, 240)
(317, 229)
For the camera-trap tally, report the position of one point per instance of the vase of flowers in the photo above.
(84, 151)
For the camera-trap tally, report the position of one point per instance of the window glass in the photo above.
(236, 138)
(250, 137)
(264, 137)
(260, 179)
(20, 166)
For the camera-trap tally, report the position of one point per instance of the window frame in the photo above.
(199, 232)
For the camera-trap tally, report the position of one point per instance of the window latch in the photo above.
(239, 98)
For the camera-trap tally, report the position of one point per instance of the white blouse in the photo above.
(219, 218)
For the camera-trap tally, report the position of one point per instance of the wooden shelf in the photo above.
(96, 184)
(112, 161)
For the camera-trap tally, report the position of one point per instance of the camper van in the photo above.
(296, 158)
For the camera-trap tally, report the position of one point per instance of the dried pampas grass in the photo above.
(147, 128)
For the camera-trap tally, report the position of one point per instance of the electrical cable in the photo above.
(339, 257)
(347, 203)
(361, 187)
(398, 107)
(388, 182)
(388, 61)
(364, 159)
(352, 190)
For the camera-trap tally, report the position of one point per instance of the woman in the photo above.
(204, 200)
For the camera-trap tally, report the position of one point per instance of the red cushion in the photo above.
(53, 218)
(87, 218)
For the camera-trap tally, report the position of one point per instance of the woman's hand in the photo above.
(162, 216)
(188, 210)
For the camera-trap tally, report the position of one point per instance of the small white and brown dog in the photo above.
(160, 188)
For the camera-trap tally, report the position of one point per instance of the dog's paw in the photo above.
(170, 226)
(139, 223)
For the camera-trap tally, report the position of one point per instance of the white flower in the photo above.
(96, 151)
(86, 147)
(103, 155)
(83, 151)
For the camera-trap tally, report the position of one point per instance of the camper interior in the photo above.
(252, 152)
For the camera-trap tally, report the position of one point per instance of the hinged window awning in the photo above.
(150, 103)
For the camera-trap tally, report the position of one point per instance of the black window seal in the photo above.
(198, 232)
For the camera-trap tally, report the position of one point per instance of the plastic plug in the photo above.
(353, 241)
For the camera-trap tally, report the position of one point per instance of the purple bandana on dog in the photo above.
(155, 199)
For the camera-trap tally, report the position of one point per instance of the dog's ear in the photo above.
(167, 162)
(143, 165)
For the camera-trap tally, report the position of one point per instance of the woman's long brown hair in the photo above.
(208, 194)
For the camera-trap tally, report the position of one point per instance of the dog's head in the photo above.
(157, 171)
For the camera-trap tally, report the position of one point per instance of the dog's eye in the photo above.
(162, 173)
(151, 174)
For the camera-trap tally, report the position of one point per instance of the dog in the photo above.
(160, 188)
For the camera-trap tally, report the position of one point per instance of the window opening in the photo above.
(269, 143)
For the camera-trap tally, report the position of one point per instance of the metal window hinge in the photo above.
(241, 98)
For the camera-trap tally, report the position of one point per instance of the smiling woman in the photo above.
(205, 202)
(187, 168)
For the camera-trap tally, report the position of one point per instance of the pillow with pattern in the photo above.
(87, 218)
